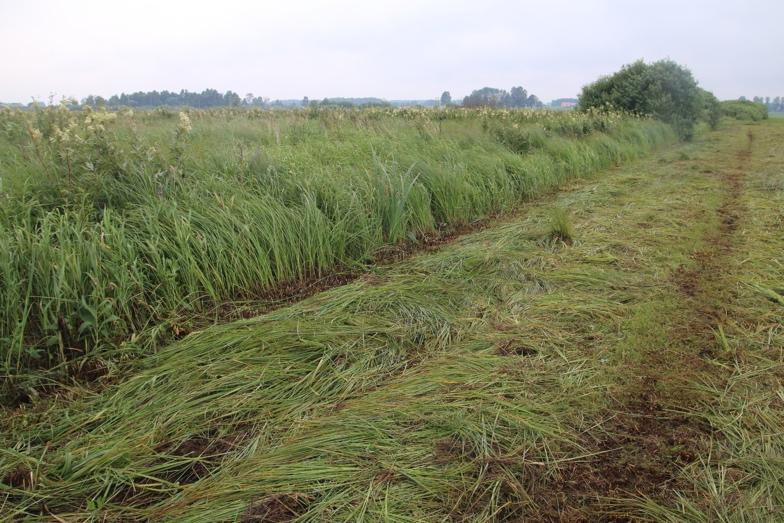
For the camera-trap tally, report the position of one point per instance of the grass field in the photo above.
(124, 231)
(612, 351)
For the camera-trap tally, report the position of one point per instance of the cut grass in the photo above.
(739, 476)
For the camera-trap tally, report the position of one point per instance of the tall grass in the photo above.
(114, 225)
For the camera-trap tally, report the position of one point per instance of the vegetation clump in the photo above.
(492, 97)
(744, 110)
(561, 227)
(664, 90)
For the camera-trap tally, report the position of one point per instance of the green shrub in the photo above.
(711, 109)
(664, 90)
(744, 110)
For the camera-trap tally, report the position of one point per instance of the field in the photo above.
(123, 230)
(390, 315)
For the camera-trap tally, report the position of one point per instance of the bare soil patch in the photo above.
(277, 508)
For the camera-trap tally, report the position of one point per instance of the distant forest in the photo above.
(214, 98)
(485, 97)
(206, 98)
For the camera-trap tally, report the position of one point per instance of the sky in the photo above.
(397, 49)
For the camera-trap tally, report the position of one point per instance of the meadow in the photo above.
(606, 347)
(124, 231)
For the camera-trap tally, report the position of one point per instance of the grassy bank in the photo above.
(119, 228)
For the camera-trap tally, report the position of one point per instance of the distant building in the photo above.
(564, 103)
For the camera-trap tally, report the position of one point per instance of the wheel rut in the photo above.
(648, 439)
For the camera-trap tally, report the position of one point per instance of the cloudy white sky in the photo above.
(390, 49)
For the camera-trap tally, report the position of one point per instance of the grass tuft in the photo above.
(561, 227)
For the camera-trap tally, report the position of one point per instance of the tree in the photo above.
(533, 101)
(664, 90)
(231, 99)
(492, 97)
(487, 97)
(305, 101)
(446, 98)
(518, 97)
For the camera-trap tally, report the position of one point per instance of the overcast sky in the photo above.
(391, 49)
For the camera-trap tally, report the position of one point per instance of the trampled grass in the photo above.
(469, 384)
(119, 229)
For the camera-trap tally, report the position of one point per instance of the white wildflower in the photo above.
(184, 127)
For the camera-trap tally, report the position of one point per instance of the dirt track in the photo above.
(648, 441)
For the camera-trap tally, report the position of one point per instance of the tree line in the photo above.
(517, 97)
(206, 98)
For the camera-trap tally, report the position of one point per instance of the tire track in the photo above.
(646, 443)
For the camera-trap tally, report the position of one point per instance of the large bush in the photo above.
(744, 110)
(711, 108)
(665, 90)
